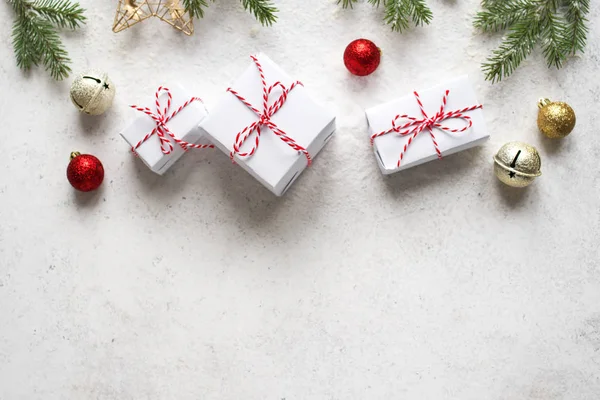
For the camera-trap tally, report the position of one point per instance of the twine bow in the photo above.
(162, 117)
(418, 125)
(264, 118)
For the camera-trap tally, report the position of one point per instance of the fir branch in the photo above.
(19, 6)
(195, 7)
(347, 3)
(552, 36)
(420, 13)
(23, 44)
(62, 13)
(515, 48)
(559, 26)
(263, 10)
(35, 36)
(498, 16)
(576, 29)
(54, 56)
(399, 13)
(396, 14)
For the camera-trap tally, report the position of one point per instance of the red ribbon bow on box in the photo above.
(416, 125)
(161, 117)
(264, 118)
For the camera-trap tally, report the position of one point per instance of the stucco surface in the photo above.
(435, 283)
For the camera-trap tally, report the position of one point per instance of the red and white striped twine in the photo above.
(162, 117)
(264, 118)
(416, 125)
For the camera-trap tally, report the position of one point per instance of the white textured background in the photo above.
(436, 283)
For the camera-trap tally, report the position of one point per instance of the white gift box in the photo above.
(274, 163)
(421, 149)
(184, 126)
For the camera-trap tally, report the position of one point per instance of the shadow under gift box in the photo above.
(274, 164)
(184, 126)
(388, 147)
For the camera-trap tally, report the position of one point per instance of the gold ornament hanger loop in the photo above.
(543, 102)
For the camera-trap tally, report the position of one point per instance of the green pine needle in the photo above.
(347, 3)
(420, 13)
(396, 15)
(62, 13)
(54, 57)
(400, 13)
(35, 35)
(501, 15)
(552, 39)
(195, 7)
(515, 48)
(558, 26)
(576, 29)
(263, 10)
(18, 5)
(23, 43)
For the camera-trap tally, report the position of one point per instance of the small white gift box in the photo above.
(427, 125)
(163, 131)
(268, 124)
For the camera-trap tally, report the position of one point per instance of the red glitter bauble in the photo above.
(362, 57)
(85, 172)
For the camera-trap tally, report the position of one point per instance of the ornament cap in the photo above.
(74, 154)
(543, 102)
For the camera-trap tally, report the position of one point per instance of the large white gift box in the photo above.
(269, 125)
(405, 133)
(164, 130)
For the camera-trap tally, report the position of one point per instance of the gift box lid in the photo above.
(388, 147)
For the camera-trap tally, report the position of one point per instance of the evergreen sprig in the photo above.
(263, 10)
(399, 14)
(35, 35)
(558, 26)
(195, 7)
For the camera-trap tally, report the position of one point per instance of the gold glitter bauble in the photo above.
(555, 118)
(92, 92)
(517, 164)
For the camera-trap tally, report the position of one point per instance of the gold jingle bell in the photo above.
(555, 118)
(92, 92)
(517, 164)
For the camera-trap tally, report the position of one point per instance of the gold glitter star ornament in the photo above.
(131, 12)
